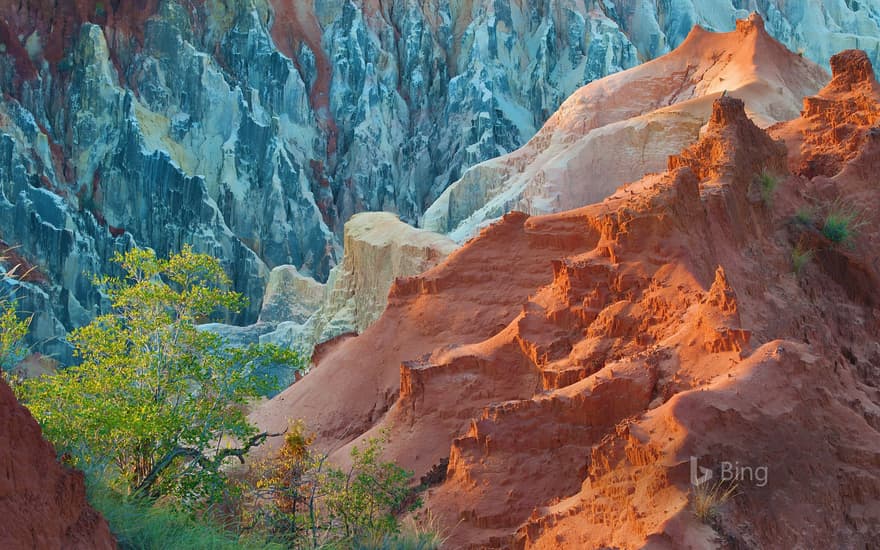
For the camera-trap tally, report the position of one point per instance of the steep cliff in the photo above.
(617, 129)
(42, 503)
(572, 369)
(379, 249)
(253, 130)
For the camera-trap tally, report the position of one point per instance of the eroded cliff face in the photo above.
(42, 503)
(565, 368)
(253, 130)
(379, 249)
(619, 128)
(300, 313)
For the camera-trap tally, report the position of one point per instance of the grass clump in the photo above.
(841, 223)
(709, 497)
(800, 257)
(140, 525)
(413, 535)
(767, 184)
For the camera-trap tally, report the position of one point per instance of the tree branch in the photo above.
(206, 462)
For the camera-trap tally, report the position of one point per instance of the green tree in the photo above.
(160, 402)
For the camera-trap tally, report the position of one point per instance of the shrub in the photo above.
(708, 498)
(304, 502)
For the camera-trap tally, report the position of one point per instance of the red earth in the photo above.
(42, 503)
(569, 366)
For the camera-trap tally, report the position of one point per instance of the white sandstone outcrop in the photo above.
(379, 248)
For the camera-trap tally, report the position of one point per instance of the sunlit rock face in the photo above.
(254, 129)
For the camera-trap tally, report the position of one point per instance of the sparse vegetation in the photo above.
(767, 183)
(412, 536)
(800, 257)
(157, 407)
(709, 497)
(842, 222)
(805, 216)
(306, 503)
(141, 525)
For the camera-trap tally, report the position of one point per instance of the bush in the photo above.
(304, 502)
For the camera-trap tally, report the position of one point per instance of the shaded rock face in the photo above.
(254, 129)
(567, 367)
(42, 503)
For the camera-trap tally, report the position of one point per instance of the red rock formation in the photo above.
(835, 123)
(569, 366)
(42, 503)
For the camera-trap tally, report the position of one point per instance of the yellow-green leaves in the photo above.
(153, 394)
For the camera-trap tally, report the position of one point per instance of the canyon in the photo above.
(554, 378)
(559, 254)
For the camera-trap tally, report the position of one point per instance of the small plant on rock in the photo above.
(800, 257)
(842, 223)
(767, 183)
(709, 497)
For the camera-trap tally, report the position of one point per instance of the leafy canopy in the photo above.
(157, 400)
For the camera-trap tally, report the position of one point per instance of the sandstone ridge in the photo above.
(569, 365)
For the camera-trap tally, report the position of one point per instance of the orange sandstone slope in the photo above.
(569, 366)
(42, 503)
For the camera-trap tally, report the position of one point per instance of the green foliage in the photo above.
(140, 525)
(800, 257)
(307, 503)
(367, 496)
(12, 333)
(842, 222)
(412, 536)
(767, 183)
(155, 398)
(13, 329)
